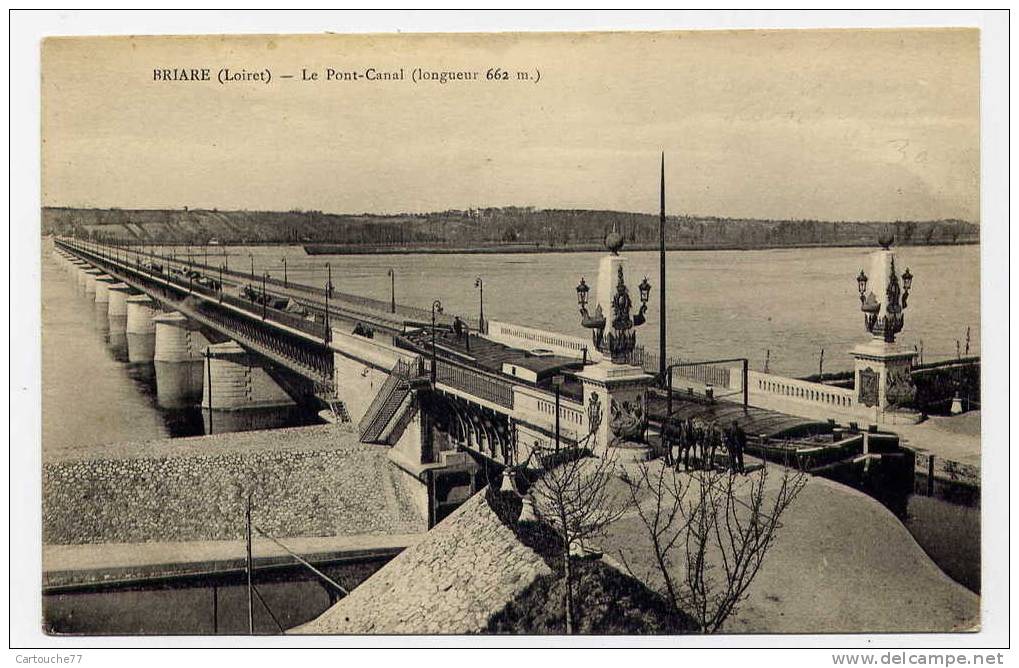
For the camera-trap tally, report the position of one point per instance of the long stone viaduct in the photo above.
(453, 408)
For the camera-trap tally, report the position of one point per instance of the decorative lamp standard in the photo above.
(480, 285)
(252, 256)
(885, 319)
(621, 335)
(436, 308)
(392, 289)
(285, 282)
(329, 283)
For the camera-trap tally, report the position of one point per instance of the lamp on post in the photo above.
(285, 282)
(480, 285)
(329, 283)
(645, 291)
(392, 289)
(557, 382)
(861, 284)
(328, 332)
(265, 301)
(582, 294)
(252, 256)
(436, 308)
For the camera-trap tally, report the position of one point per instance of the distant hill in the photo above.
(482, 228)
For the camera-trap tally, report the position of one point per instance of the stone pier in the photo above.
(103, 284)
(177, 339)
(118, 294)
(141, 310)
(178, 384)
(86, 280)
(234, 379)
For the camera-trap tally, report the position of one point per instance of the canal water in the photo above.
(791, 302)
(206, 605)
(95, 397)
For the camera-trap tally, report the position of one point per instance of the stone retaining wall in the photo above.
(305, 482)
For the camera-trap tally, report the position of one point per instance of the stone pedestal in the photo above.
(615, 399)
(883, 382)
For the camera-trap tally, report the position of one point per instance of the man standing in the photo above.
(739, 441)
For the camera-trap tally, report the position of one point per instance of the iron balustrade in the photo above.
(286, 349)
(474, 383)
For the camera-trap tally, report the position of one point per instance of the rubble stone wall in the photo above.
(316, 481)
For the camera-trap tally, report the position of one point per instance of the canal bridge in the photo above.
(454, 405)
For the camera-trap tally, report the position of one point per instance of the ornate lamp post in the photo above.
(436, 308)
(889, 323)
(329, 282)
(621, 339)
(883, 379)
(480, 285)
(392, 289)
(252, 257)
(285, 282)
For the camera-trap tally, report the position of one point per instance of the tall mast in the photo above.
(661, 281)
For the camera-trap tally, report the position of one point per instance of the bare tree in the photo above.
(710, 532)
(573, 497)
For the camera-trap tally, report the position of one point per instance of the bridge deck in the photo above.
(754, 421)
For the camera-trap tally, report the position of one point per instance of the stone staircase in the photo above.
(385, 405)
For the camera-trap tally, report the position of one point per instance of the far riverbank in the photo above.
(513, 249)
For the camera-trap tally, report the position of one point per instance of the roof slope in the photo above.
(465, 570)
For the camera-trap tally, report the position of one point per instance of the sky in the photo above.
(834, 125)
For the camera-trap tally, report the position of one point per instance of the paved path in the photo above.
(955, 438)
(841, 563)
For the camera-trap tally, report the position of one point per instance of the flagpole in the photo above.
(661, 281)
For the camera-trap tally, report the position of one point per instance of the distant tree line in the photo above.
(489, 226)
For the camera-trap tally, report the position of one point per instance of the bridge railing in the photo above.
(376, 305)
(475, 383)
(285, 349)
(467, 379)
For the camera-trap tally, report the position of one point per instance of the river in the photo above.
(791, 302)
(783, 305)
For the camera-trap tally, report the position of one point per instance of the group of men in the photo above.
(698, 441)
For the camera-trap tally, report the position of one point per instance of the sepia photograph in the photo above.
(668, 333)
